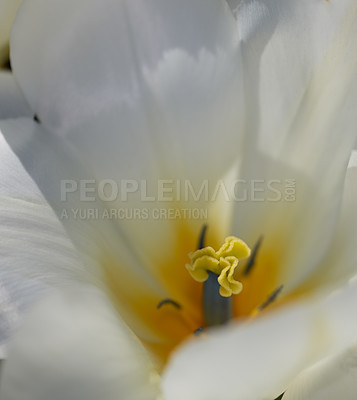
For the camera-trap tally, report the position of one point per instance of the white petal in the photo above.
(8, 10)
(73, 346)
(340, 261)
(159, 79)
(12, 101)
(257, 360)
(35, 255)
(35, 252)
(330, 379)
(302, 80)
(14, 180)
(299, 53)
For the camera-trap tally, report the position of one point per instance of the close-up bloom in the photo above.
(178, 213)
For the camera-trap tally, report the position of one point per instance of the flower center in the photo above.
(164, 318)
(221, 263)
(217, 270)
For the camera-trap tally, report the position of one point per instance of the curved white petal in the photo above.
(258, 359)
(157, 79)
(329, 379)
(142, 90)
(301, 79)
(73, 346)
(35, 252)
(297, 54)
(14, 180)
(12, 101)
(8, 10)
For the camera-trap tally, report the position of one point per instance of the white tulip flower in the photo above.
(196, 153)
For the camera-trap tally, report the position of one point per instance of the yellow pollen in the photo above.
(222, 263)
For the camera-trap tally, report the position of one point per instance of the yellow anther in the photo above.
(222, 263)
(198, 269)
(226, 279)
(235, 247)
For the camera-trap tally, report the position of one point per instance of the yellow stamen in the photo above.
(222, 263)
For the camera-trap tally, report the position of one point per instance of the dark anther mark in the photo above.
(201, 241)
(280, 397)
(253, 256)
(271, 298)
(7, 65)
(168, 301)
(198, 331)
